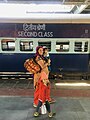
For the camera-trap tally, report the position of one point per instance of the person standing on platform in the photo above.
(39, 55)
(41, 83)
(48, 60)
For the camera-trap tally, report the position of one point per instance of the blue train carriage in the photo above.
(68, 45)
(71, 55)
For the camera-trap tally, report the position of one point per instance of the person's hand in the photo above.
(49, 61)
(34, 87)
(27, 60)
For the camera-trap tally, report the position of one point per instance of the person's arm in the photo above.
(49, 62)
(41, 62)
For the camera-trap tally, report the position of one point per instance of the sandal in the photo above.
(36, 114)
(52, 101)
(50, 115)
(34, 105)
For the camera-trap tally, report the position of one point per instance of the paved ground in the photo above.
(66, 108)
(16, 98)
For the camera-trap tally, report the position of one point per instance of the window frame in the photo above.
(27, 41)
(8, 49)
(61, 43)
(49, 49)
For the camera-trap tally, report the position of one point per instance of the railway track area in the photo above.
(13, 80)
(21, 86)
(16, 83)
(25, 81)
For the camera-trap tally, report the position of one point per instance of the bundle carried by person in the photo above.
(32, 66)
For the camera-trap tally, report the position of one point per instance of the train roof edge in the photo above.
(48, 18)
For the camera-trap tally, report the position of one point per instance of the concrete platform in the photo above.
(66, 108)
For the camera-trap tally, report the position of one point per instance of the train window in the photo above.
(62, 46)
(78, 47)
(26, 45)
(86, 47)
(46, 44)
(8, 45)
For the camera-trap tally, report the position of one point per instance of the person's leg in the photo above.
(36, 114)
(49, 110)
(36, 94)
(36, 88)
(51, 100)
(47, 104)
(38, 106)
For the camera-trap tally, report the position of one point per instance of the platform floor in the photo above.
(66, 108)
(72, 102)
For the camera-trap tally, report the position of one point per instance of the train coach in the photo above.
(68, 43)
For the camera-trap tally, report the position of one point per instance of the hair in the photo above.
(37, 54)
(38, 47)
